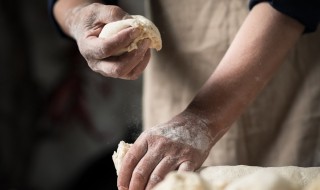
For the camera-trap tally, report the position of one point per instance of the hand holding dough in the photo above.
(148, 30)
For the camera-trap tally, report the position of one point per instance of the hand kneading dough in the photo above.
(182, 181)
(239, 177)
(118, 156)
(149, 30)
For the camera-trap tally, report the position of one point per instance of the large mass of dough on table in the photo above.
(222, 176)
(239, 177)
(147, 28)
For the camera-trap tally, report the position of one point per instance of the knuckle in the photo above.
(154, 179)
(131, 158)
(120, 187)
(171, 160)
(163, 142)
(93, 66)
(138, 175)
(117, 71)
(94, 6)
(104, 51)
(133, 76)
(116, 12)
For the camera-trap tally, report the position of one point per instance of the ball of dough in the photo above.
(148, 30)
(182, 181)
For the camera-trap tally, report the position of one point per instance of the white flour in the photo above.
(195, 134)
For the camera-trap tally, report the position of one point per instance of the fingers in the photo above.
(119, 41)
(144, 169)
(166, 165)
(128, 66)
(100, 48)
(141, 173)
(137, 71)
(144, 178)
(130, 161)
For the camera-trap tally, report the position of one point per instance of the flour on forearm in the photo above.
(195, 134)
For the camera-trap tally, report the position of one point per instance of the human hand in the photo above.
(85, 24)
(181, 144)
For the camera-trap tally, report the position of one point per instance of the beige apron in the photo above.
(282, 127)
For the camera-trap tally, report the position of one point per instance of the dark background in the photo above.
(59, 121)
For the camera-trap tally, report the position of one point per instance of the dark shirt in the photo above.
(306, 12)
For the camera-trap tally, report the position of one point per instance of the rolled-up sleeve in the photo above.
(306, 12)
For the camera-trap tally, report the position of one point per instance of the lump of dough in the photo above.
(314, 184)
(221, 176)
(182, 181)
(262, 180)
(118, 155)
(148, 30)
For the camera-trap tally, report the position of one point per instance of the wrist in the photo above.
(217, 122)
(205, 122)
(65, 13)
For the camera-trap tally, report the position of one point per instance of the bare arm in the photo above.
(259, 48)
(184, 142)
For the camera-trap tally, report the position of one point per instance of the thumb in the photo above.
(186, 166)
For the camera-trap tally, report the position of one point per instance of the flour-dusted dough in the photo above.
(221, 176)
(149, 30)
(239, 177)
(263, 180)
(182, 181)
(118, 155)
(314, 185)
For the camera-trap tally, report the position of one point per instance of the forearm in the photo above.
(258, 49)
(64, 11)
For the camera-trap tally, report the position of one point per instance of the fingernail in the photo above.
(122, 188)
(145, 43)
(135, 33)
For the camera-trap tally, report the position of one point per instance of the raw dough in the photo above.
(118, 155)
(314, 185)
(149, 30)
(239, 177)
(182, 181)
(221, 176)
(263, 180)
